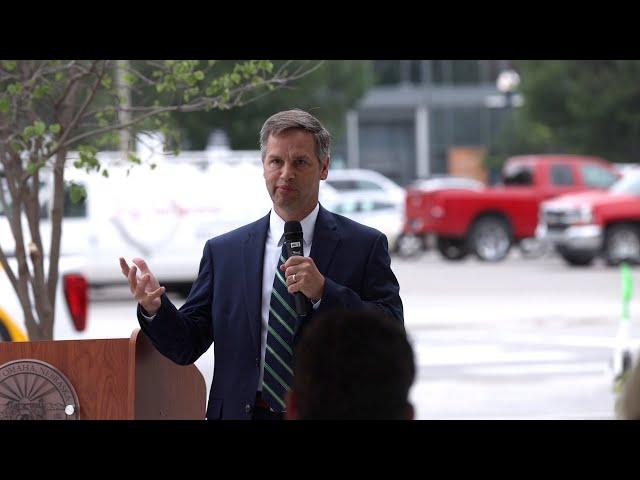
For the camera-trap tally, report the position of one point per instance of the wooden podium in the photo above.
(120, 378)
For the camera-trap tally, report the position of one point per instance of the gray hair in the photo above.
(296, 118)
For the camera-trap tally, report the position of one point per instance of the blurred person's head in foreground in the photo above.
(352, 364)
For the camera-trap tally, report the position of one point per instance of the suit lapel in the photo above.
(253, 260)
(325, 240)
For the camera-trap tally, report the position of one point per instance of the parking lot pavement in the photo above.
(521, 291)
(520, 339)
(495, 373)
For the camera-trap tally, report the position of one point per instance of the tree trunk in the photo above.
(56, 235)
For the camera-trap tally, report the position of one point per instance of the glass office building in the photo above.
(418, 110)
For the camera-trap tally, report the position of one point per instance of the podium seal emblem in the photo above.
(35, 390)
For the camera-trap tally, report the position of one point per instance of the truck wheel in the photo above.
(490, 239)
(622, 244)
(409, 245)
(452, 248)
(578, 259)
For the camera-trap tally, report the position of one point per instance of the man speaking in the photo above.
(259, 285)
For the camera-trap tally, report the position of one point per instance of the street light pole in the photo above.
(507, 83)
(124, 112)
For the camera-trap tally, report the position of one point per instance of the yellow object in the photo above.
(17, 335)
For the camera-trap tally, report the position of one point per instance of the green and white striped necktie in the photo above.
(278, 360)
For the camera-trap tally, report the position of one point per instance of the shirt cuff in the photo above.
(144, 313)
(317, 304)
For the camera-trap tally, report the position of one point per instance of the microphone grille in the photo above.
(292, 226)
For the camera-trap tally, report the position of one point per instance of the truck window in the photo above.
(70, 209)
(346, 185)
(5, 193)
(343, 185)
(345, 207)
(562, 175)
(517, 175)
(374, 206)
(368, 185)
(74, 210)
(597, 177)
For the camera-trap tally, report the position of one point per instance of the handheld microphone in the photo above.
(293, 241)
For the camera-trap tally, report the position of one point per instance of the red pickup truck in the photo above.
(585, 225)
(488, 221)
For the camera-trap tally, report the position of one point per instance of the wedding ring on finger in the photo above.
(294, 278)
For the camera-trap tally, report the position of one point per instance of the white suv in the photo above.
(367, 197)
(365, 182)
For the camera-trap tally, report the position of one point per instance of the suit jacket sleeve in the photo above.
(380, 290)
(184, 335)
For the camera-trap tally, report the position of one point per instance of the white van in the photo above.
(164, 215)
(370, 198)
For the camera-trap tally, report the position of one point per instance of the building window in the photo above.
(389, 148)
(441, 71)
(387, 72)
(465, 72)
(490, 69)
(415, 72)
(467, 126)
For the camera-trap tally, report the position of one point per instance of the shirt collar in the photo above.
(276, 226)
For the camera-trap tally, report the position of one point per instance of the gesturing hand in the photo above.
(146, 290)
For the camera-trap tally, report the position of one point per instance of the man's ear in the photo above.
(291, 402)
(324, 165)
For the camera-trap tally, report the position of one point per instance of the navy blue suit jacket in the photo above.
(224, 305)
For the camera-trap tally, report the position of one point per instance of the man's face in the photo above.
(292, 172)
